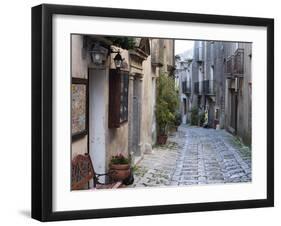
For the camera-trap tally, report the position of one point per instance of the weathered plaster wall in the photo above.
(244, 98)
(79, 146)
(169, 52)
(79, 69)
(117, 141)
(147, 106)
(117, 138)
(244, 111)
(79, 57)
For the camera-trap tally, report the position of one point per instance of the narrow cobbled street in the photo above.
(194, 155)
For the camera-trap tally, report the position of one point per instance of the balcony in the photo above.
(209, 87)
(198, 88)
(229, 66)
(186, 87)
(238, 64)
(235, 65)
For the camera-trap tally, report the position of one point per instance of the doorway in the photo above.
(136, 117)
(234, 106)
(184, 111)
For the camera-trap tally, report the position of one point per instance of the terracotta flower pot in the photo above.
(162, 139)
(119, 172)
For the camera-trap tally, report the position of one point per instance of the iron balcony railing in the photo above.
(209, 87)
(206, 87)
(238, 67)
(198, 88)
(229, 66)
(186, 87)
(235, 64)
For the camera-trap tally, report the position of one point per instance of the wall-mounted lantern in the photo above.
(98, 54)
(118, 60)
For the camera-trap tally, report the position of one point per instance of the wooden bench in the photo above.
(82, 172)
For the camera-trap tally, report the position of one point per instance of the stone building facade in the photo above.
(221, 85)
(113, 110)
(238, 89)
(209, 85)
(183, 74)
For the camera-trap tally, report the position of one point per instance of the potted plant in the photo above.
(203, 118)
(119, 168)
(166, 106)
(173, 127)
(177, 119)
(194, 116)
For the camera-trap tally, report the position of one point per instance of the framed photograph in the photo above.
(147, 112)
(79, 106)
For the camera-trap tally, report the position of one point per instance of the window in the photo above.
(118, 98)
(184, 106)
(217, 114)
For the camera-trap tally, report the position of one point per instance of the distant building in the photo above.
(183, 76)
(209, 85)
(220, 73)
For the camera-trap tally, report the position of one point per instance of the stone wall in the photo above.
(144, 64)
(116, 140)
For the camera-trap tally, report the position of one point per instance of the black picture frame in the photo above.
(42, 111)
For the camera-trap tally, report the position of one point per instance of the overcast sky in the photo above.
(183, 45)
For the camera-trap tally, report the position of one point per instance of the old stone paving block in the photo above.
(195, 155)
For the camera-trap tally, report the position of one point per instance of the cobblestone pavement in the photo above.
(195, 155)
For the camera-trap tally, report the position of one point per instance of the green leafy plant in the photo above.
(202, 118)
(194, 116)
(119, 159)
(166, 103)
(123, 42)
(177, 118)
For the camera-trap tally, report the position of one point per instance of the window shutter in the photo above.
(114, 99)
